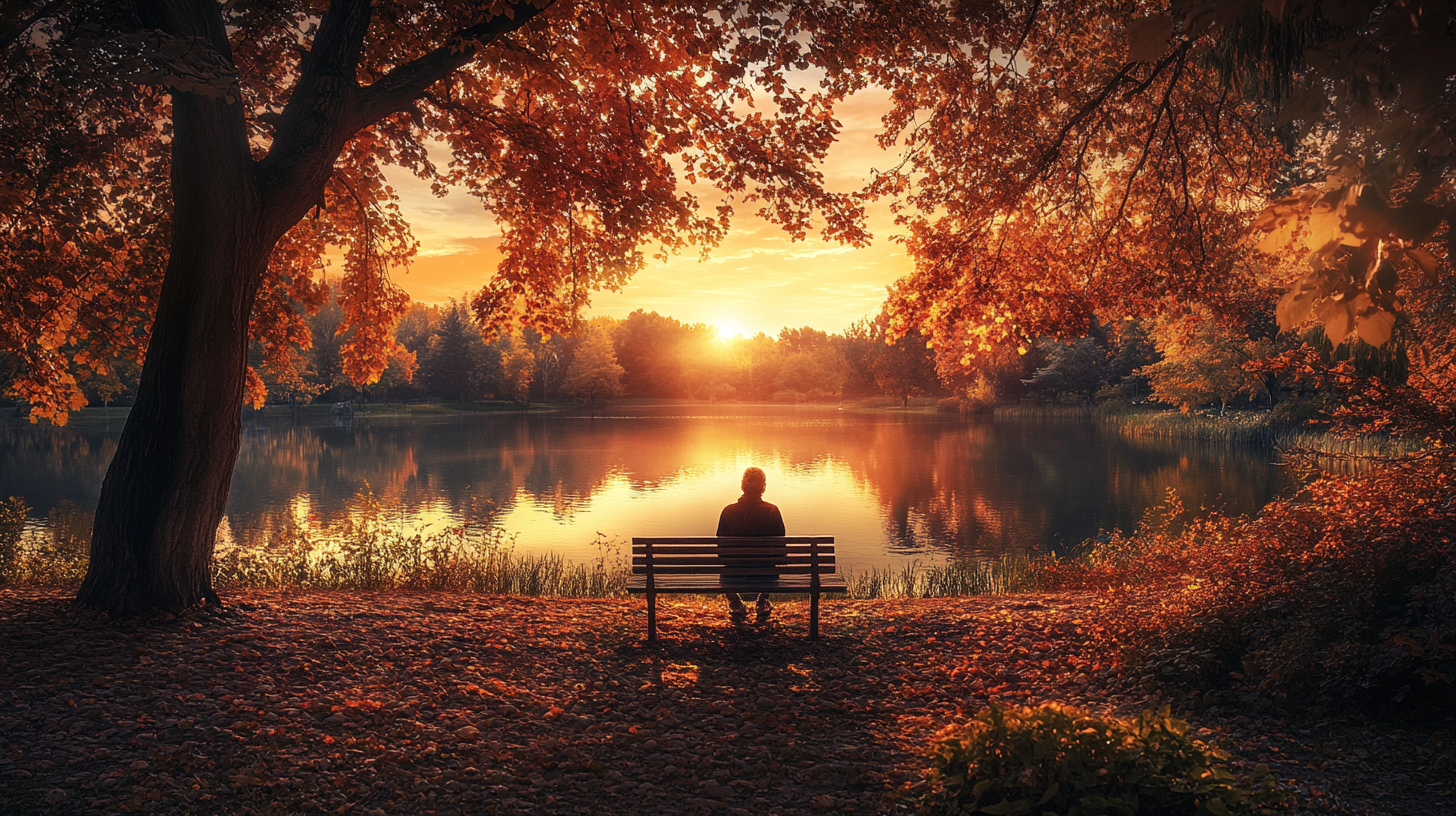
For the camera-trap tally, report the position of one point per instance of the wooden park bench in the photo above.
(710, 565)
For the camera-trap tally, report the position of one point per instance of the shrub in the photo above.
(1053, 760)
(1348, 593)
(1345, 593)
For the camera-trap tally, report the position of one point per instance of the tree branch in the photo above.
(1025, 32)
(328, 107)
(1054, 149)
(398, 89)
(311, 130)
(9, 34)
(1163, 107)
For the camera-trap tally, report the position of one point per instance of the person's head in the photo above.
(754, 482)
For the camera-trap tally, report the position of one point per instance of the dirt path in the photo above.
(413, 703)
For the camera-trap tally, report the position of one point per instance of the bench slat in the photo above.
(709, 549)
(685, 584)
(716, 570)
(724, 559)
(670, 540)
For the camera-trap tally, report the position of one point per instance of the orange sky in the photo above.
(756, 280)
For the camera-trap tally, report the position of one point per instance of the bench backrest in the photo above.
(765, 555)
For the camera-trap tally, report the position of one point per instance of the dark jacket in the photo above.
(749, 516)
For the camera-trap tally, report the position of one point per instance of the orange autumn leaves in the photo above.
(573, 132)
(1051, 161)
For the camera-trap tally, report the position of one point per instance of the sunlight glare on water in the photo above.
(822, 497)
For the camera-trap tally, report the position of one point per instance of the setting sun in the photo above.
(727, 330)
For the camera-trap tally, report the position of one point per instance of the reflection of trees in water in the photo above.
(988, 488)
(47, 465)
(960, 488)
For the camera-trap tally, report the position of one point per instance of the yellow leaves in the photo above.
(1296, 305)
(1351, 285)
(1337, 317)
(1278, 239)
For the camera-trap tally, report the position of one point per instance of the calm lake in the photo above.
(889, 487)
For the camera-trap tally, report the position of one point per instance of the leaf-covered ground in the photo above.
(434, 703)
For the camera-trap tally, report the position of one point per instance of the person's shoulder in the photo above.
(771, 507)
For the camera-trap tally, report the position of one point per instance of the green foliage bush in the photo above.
(1053, 760)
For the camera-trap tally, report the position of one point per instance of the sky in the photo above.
(756, 280)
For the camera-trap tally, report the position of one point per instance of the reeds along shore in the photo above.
(363, 554)
(1234, 427)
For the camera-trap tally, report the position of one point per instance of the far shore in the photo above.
(1257, 425)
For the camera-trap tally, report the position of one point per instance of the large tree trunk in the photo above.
(167, 486)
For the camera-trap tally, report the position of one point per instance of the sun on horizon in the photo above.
(728, 329)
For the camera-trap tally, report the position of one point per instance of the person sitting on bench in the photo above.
(750, 516)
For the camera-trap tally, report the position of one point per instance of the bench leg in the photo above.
(814, 616)
(651, 617)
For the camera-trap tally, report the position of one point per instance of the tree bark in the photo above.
(167, 487)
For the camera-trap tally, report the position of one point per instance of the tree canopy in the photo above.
(572, 123)
(175, 171)
(1064, 160)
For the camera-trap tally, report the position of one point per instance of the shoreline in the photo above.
(1240, 425)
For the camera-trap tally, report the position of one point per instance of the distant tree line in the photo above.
(440, 354)
(1193, 360)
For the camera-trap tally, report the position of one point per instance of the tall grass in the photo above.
(53, 554)
(1044, 412)
(364, 550)
(1012, 572)
(1234, 427)
(360, 551)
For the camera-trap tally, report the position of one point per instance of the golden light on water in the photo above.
(811, 495)
(889, 489)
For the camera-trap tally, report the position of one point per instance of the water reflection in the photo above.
(887, 486)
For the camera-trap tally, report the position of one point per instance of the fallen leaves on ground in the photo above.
(437, 703)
